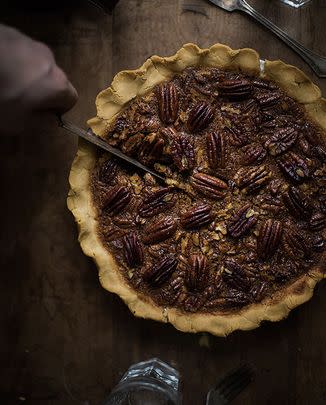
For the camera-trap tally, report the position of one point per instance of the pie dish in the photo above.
(236, 237)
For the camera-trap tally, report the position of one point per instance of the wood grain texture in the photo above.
(66, 340)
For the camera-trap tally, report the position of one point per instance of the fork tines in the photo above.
(233, 383)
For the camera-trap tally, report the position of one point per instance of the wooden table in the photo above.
(64, 339)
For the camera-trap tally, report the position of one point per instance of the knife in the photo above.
(96, 140)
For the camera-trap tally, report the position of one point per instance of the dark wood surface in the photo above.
(64, 340)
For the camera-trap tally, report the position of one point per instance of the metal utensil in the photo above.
(316, 62)
(230, 386)
(94, 139)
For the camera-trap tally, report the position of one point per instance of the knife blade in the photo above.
(96, 140)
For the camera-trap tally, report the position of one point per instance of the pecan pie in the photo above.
(237, 235)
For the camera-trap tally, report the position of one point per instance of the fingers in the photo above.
(59, 95)
(33, 78)
(31, 83)
(53, 92)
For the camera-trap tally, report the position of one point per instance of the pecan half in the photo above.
(124, 220)
(258, 290)
(320, 152)
(168, 102)
(238, 136)
(304, 146)
(160, 273)
(160, 230)
(133, 143)
(156, 202)
(197, 216)
(235, 298)
(253, 153)
(182, 151)
(317, 222)
(295, 243)
(192, 303)
(251, 180)
(108, 171)
(281, 140)
(121, 124)
(133, 250)
(297, 203)
(112, 234)
(269, 238)
(216, 149)
(209, 186)
(151, 149)
(289, 106)
(317, 243)
(235, 276)
(116, 199)
(198, 273)
(282, 274)
(272, 204)
(145, 124)
(278, 122)
(274, 187)
(235, 89)
(294, 167)
(241, 222)
(263, 84)
(249, 107)
(200, 116)
(173, 290)
(311, 133)
(267, 99)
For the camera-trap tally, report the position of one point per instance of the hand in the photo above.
(33, 89)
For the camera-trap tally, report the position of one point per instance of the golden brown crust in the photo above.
(125, 87)
(128, 84)
(293, 81)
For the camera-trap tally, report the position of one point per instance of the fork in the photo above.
(316, 62)
(230, 386)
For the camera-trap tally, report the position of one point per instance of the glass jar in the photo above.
(150, 382)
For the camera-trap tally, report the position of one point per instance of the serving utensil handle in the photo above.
(316, 62)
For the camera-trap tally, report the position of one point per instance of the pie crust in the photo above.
(125, 86)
